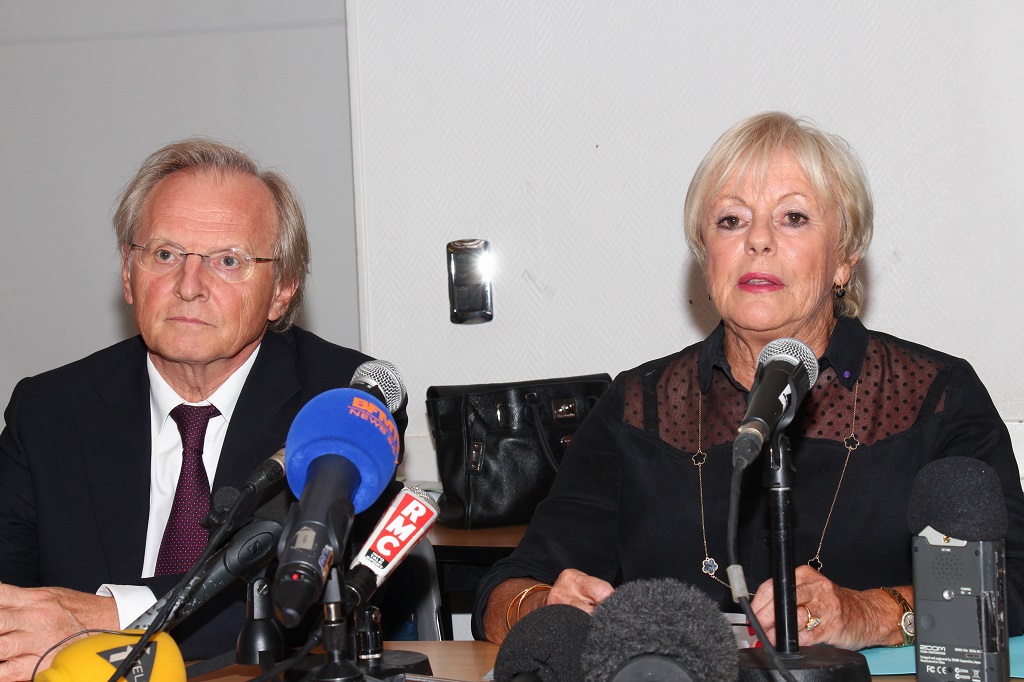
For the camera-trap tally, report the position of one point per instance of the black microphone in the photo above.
(545, 646)
(958, 514)
(266, 474)
(250, 549)
(237, 506)
(342, 452)
(659, 629)
(786, 370)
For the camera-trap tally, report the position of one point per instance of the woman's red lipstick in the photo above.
(759, 282)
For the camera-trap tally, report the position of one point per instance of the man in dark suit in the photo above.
(214, 260)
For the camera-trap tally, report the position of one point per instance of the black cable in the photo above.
(35, 668)
(178, 593)
(732, 531)
(288, 663)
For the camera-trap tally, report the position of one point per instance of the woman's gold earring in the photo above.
(840, 290)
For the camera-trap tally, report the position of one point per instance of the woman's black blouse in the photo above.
(626, 503)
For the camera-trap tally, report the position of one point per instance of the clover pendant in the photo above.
(710, 566)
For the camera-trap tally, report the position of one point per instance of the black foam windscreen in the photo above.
(547, 642)
(960, 497)
(275, 503)
(663, 617)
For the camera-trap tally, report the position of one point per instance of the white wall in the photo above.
(565, 132)
(88, 89)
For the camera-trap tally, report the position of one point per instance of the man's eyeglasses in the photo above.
(160, 257)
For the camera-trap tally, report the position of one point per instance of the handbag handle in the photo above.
(542, 437)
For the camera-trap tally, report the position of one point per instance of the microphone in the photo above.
(406, 521)
(786, 370)
(97, 656)
(250, 549)
(380, 379)
(659, 629)
(266, 474)
(230, 504)
(342, 452)
(545, 646)
(958, 514)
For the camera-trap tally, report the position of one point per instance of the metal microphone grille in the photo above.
(798, 351)
(384, 376)
(424, 497)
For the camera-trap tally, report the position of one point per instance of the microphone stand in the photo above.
(337, 663)
(260, 642)
(343, 633)
(387, 666)
(822, 663)
(778, 479)
(351, 653)
(338, 638)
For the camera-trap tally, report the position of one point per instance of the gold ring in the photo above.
(812, 622)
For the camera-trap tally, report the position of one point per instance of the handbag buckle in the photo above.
(563, 408)
(476, 457)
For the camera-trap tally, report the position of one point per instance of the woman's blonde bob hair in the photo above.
(835, 173)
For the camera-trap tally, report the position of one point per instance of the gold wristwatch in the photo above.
(907, 619)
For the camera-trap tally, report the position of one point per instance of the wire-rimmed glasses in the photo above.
(161, 257)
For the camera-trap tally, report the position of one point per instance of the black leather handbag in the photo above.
(499, 445)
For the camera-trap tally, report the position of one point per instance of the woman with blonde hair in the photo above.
(779, 215)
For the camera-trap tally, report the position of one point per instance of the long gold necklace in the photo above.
(709, 566)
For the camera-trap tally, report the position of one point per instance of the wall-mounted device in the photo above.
(470, 268)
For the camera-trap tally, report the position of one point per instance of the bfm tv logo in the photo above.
(408, 518)
(379, 417)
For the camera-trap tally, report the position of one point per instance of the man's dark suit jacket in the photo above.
(75, 468)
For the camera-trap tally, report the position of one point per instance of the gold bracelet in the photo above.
(517, 601)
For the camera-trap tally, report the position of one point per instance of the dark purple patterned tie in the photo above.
(184, 539)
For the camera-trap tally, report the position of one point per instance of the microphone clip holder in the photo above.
(222, 506)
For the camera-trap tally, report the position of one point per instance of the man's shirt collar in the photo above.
(163, 398)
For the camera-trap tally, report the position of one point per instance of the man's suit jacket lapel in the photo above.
(116, 450)
(260, 422)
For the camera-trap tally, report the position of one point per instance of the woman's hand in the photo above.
(845, 618)
(578, 589)
(516, 597)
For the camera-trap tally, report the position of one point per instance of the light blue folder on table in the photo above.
(900, 660)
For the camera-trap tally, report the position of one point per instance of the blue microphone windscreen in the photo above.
(347, 423)
(662, 617)
(547, 642)
(960, 497)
